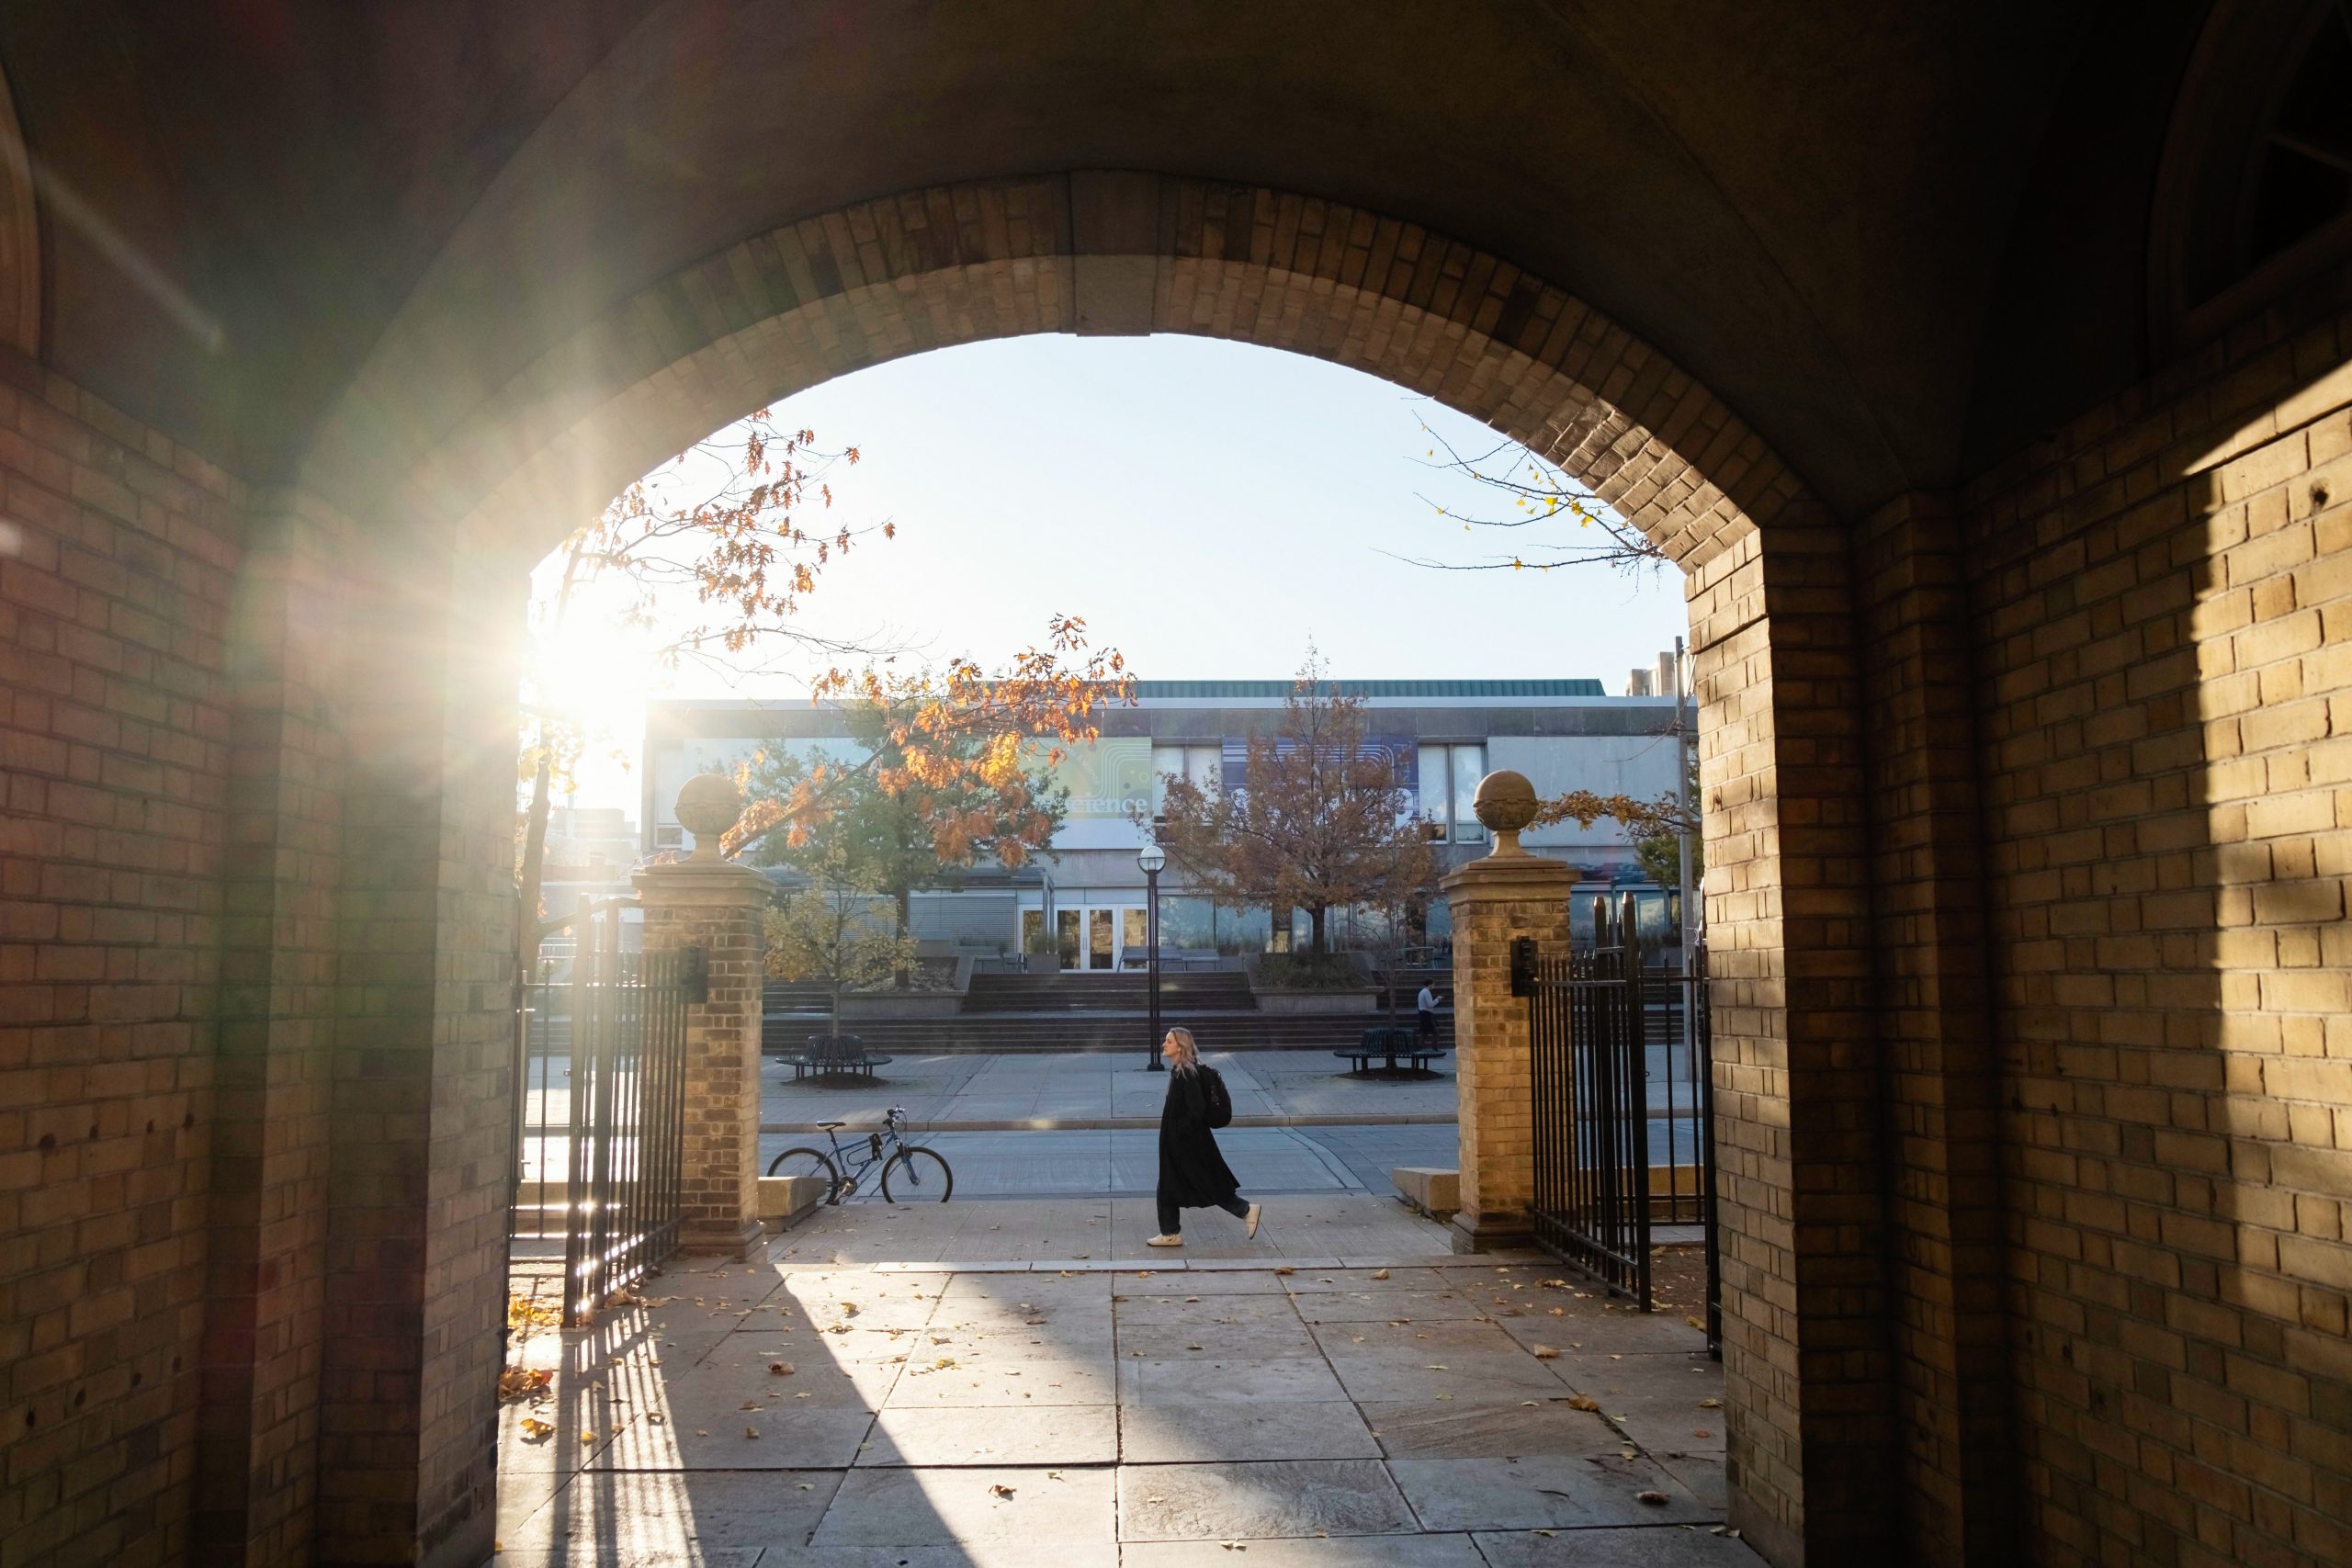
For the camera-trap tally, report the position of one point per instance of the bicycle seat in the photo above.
(829, 1126)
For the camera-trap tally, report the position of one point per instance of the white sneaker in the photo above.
(1255, 1210)
(1165, 1241)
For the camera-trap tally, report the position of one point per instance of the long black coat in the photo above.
(1190, 1171)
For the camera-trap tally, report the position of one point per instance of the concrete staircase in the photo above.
(1205, 990)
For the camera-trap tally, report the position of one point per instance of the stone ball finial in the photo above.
(707, 807)
(1506, 804)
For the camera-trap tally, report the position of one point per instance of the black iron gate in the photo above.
(602, 1095)
(1622, 1104)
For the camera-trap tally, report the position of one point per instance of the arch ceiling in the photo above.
(1813, 210)
(1097, 251)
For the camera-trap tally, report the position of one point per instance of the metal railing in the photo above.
(1588, 1034)
(1621, 1085)
(603, 1089)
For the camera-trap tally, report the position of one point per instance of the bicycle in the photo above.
(909, 1168)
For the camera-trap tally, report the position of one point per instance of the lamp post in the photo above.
(1151, 857)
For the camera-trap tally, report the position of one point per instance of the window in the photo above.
(2254, 193)
(1469, 765)
(1197, 765)
(1450, 776)
(669, 836)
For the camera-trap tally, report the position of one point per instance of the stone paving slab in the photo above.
(1046, 1435)
(1406, 1418)
(630, 1518)
(1542, 1491)
(1051, 1513)
(1208, 1432)
(1467, 1429)
(1231, 1501)
(1671, 1546)
(1356, 1551)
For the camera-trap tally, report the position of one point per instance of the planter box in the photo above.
(1348, 1000)
(900, 1004)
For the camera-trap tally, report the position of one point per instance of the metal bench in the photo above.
(825, 1055)
(1391, 1044)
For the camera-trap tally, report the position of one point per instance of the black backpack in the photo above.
(1220, 1102)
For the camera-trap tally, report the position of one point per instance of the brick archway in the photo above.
(1124, 254)
(1096, 252)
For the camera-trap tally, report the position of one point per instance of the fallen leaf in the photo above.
(1380, 1274)
(1584, 1402)
(521, 1382)
(1544, 1352)
(1000, 1489)
(1711, 1405)
(536, 1430)
(1286, 1270)
(1655, 1499)
(781, 1368)
(587, 1437)
(750, 1432)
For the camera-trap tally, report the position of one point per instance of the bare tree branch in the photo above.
(1528, 493)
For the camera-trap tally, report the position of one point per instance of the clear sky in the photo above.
(1209, 507)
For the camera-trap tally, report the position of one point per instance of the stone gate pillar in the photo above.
(1507, 895)
(716, 905)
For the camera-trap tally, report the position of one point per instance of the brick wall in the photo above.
(2163, 601)
(423, 1065)
(1810, 1431)
(117, 746)
(255, 900)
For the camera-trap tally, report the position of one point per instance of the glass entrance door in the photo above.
(1100, 953)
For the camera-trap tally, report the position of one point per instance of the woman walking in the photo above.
(1192, 1174)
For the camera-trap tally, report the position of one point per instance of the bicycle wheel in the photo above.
(810, 1163)
(917, 1176)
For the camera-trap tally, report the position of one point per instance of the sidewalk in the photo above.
(1029, 1406)
(1269, 1088)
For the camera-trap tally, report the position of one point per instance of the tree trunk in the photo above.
(1315, 939)
(902, 978)
(534, 854)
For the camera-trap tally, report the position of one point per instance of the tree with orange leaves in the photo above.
(951, 765)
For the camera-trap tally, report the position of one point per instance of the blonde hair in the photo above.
(1188, 1051)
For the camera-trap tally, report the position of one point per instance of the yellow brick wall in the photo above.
(2164, 604)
